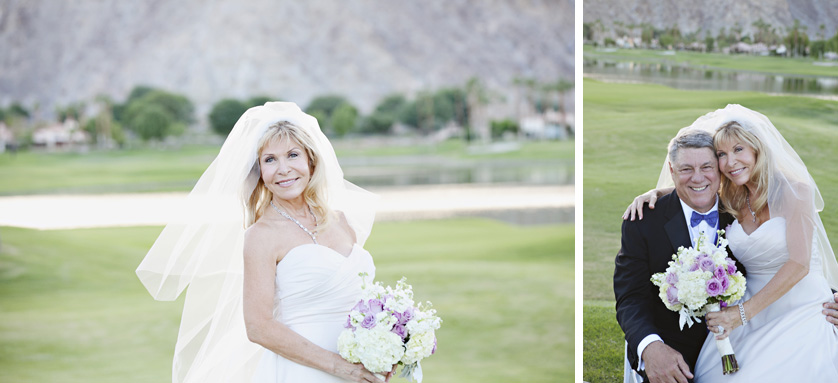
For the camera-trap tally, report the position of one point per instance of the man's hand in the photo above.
(830, 309)
(664, 364)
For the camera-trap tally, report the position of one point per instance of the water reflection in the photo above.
(683, 76)
(430, 172)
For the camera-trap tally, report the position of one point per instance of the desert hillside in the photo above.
(57, 52)
(713, 15)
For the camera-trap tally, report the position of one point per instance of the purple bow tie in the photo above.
(712, 218)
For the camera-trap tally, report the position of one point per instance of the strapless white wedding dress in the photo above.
(316, 287)
(790, 341)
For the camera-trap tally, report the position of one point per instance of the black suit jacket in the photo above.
(646, 248)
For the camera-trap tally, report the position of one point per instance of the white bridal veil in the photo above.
(202, 247)
(791, 188)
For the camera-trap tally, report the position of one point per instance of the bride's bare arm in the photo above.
(800, 226)
(263, 329)
(650, 197)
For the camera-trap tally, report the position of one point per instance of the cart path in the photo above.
(50, 212)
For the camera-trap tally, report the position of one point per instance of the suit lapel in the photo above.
(676, 225)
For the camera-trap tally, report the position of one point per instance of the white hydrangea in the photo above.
(347, 346)
(377, 348)
(691, 289)
(737, 287)
(419, 347)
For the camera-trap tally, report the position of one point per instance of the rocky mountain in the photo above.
(713, 15)
(56, 52)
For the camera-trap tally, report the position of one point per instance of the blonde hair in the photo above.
(733, 196)
(314, 193)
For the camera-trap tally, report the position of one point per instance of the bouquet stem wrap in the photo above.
(729, 364)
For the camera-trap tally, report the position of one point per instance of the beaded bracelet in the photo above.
(742, 313)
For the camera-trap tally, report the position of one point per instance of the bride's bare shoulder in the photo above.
(341, 220)
(264, 238)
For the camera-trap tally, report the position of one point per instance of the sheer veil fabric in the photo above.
(202, 247)
(792, 193)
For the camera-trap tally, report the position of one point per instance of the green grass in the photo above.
(153, 170)
(764, 64)
(627, 128)
(603, 343)
(136, 170)
(72, 310)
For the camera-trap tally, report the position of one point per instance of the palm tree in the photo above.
(562, 86)
(477, 96)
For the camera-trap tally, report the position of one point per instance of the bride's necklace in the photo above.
(292, 219)
(747, 199)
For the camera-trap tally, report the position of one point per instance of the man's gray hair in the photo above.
(692, 139)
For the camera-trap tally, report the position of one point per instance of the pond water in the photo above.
(383, 172)
(683, 76)
(402, 171)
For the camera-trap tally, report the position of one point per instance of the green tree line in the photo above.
(795, 38)
(152, 114)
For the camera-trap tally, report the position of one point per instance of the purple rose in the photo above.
(731, 267)
(706, 263)
(672, 295)
(361, 307)
(369, 322)
(406, 316)
(433, 350)
(694, 266)
(725, 282)
(722, 304)
(721, 272)
(376, 306)
(714, 287)
(671, 278)
(399, 330)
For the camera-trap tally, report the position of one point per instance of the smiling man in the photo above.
(656, 347)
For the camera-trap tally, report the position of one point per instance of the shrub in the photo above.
(146, 105)
(386, 114)
(151, 121)
(326, 104)
(224, 115)
(499, 127)
(343, 119)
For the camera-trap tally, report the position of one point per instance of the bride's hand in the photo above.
(728, 318)
(391, 373)
(357, 373)
(636, 206)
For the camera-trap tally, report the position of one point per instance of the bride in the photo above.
(266, 304)
(778, 333)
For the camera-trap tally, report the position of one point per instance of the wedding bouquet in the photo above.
(701, 280)
(387, 328)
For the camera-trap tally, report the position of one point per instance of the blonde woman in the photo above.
(271, 244)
